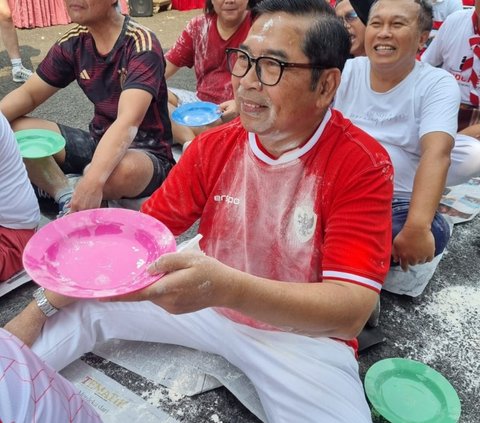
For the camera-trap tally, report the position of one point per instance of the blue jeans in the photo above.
(440, 228)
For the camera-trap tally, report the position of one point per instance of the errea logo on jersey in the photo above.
(226, 199)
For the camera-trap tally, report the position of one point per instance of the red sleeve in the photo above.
(57, 68)
(179, 201)
(357, 245)
(182, 54)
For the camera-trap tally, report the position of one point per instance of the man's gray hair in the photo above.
(425, 15)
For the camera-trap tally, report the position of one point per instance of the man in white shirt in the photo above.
(19, 211)
(411, 108)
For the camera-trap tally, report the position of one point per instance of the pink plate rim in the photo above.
(44, 272)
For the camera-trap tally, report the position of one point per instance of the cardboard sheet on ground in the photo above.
(15, 281)
(113, 402)
(183, 370)
(461, 202)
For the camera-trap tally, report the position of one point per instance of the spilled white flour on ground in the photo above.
(157, 396)
(451, 336)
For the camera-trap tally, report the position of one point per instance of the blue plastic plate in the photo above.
(196, 114)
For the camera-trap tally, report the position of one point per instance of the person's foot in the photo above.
(21, 74)
(40, 193)
(64, 207)
(64, 204)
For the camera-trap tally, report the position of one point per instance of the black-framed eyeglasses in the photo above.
(350, 17)
(269, 70)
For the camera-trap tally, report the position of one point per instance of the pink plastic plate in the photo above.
(97, 253)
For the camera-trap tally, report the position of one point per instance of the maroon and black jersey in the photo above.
(136, 61)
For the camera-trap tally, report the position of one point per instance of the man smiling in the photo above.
(294, 208)
(411, 108)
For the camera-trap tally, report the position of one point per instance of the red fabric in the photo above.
(469, 2)
(328, 212)
(473, 62)
(42, 13)
(201, 46)
(437, 24)
(188, 4)
(12, 243)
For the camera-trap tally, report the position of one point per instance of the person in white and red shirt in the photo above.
(19, 211)
(294, 204)
(453, 50)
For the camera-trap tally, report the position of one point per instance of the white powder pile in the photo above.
(451, 334)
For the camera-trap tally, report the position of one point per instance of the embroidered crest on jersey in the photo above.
(123, 76)
(304, 223)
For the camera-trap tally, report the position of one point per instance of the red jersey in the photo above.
(322, 211)
(201, 46)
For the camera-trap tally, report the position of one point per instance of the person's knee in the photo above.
(440, 228)
(172, 101)
(471, 131)
(131, 176)
(5, 16)
(441, 231)
(465, 160)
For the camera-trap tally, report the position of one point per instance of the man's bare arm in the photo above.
(26, 98)
(415, 244)
(111, 149)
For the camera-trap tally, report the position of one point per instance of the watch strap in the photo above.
(43, 303)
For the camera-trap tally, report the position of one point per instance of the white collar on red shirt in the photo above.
(292, 154)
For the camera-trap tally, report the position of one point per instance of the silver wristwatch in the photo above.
(43, 303)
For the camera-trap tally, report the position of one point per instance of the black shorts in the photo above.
(80, 147)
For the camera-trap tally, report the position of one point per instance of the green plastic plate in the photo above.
(37, 143)
(407, 391)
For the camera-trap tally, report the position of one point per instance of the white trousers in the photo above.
(298, 378)
(465, 160)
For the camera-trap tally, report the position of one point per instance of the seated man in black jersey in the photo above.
(119, 65)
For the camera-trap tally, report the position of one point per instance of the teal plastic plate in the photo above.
(37, 143)
(407, 391)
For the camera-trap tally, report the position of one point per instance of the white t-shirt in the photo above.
(450, 48)
(18, 204)
(427, 100)
(441, 9)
